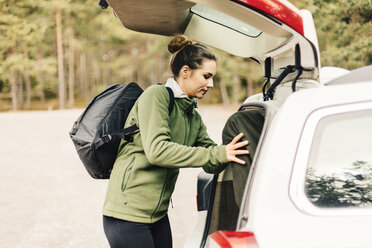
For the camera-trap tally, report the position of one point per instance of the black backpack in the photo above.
(98, 131)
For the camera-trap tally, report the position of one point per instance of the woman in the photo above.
(146, 170)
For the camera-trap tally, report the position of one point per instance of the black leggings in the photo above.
(127, 234)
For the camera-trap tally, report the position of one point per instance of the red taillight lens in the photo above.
(278, 10)
(230, 239)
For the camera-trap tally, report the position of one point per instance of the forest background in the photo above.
(59, 54)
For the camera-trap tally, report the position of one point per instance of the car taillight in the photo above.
(231, 239)
(278, 10)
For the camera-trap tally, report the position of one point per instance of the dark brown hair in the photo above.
(186, 52)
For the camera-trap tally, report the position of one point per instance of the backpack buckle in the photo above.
(107, 138)
(103, 140)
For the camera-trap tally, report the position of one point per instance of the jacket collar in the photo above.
(178, 93)
(187, 104)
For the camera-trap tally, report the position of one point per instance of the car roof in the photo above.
(359, 75)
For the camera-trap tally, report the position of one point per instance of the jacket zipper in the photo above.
(166, 178)
(124, 186)
(161, 195)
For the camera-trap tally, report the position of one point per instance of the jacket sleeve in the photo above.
(204, 140)
(153, 121)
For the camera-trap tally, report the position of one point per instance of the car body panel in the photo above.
(362, 74)
(195, 238)
(272, 210)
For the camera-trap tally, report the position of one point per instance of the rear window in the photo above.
(225, 20)
(339, 172)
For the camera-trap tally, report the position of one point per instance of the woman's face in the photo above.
(196, 83)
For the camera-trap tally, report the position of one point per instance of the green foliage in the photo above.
(344, 29)
(106, 53)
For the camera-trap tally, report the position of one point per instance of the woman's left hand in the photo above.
(232, 149)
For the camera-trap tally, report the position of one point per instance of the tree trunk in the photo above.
(28, 90)
(236, 89)
(20, 90)
(89, 83)
(41, 92)
(249, 87)
(78, 73)
(83, 78)
(224, 95)
(105, 73)
(61, 76)
(109, 76)
(28, 85)
(141, 69)
(158, 68)
(96, 72)
(138, 58)
(71, 65)
(40, 78)
(13, 81)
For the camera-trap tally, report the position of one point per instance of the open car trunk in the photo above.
(274, 33)
(220, 196)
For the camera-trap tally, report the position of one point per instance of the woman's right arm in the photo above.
(153, 121)
(231, 149)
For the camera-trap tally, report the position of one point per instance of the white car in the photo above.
(310, 181)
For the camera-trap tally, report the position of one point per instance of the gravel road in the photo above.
(47, 197)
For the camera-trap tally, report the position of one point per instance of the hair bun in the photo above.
(178, 43)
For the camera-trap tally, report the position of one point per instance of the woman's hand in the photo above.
(231, 149)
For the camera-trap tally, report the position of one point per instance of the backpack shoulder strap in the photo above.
(171, 100)
(125, 133)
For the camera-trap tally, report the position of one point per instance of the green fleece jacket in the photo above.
(145, 171)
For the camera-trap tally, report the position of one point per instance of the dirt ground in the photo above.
(47, 199)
